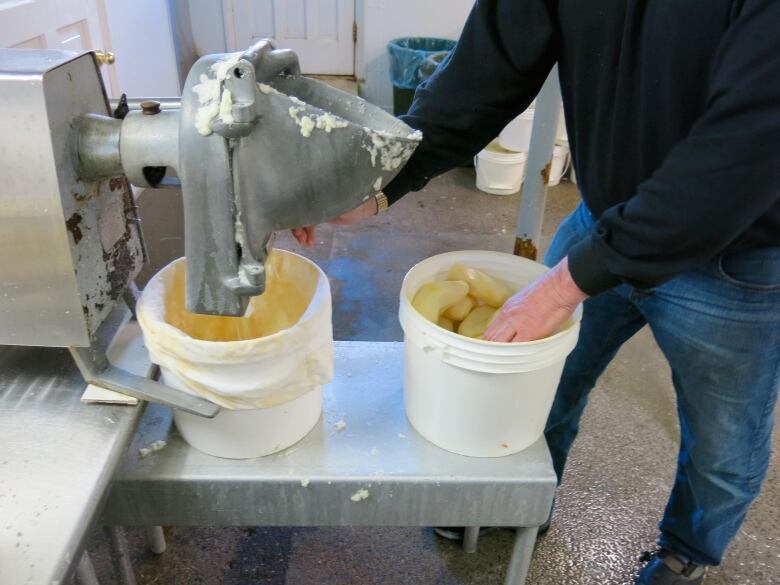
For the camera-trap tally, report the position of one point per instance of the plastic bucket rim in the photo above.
(308, 314)
(395, 43)
(476, 363)
(503, 158)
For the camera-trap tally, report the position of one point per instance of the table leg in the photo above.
(123, 566)
(470, 539)
(156, 539)
(85, 572)
(521, 556)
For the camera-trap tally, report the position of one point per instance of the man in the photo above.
(673, 112)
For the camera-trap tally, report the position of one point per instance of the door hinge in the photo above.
(354, 31)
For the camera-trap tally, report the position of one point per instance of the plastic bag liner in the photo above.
(281, 350)
(408, 54)
(429, 66)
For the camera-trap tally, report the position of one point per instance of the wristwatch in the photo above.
(381, 202)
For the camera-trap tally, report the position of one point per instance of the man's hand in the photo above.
(538, 310)
(362, 212)
(307, 236)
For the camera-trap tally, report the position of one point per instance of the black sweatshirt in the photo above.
(673, 114)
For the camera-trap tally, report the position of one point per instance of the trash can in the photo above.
(412, 61)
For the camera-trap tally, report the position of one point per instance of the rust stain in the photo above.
(117, 183)
(73, 227)
(91, 189)
(546, 173)
(524, 247)
(121, 260)
(119, 265)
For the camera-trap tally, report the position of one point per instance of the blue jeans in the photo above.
(719, 328)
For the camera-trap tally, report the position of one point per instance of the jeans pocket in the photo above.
(757, 269)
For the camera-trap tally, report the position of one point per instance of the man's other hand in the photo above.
(307, 235)
(538, 310)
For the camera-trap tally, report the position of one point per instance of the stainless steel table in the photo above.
(407, 481)
(57, 457)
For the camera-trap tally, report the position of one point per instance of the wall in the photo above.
(380, 21)
(208, 26)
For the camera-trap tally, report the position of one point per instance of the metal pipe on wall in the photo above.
(534, 195)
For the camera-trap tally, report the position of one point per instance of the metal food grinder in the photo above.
(256, 147)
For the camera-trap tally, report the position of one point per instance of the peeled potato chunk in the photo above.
(461, 309)
(477, 322)
(482, 287)
(436, 297)
(447, 324)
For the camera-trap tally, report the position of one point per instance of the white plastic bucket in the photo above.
(558, 167)
(516, 135)
(499, 171)
(246, 434)
(475, 397)
(269, 385)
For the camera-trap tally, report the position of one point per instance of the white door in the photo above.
(141, 39)
(50, 24)
(145, 62)
(319, 31)
(71, 25)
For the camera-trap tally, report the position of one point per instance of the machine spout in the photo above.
(264, 149)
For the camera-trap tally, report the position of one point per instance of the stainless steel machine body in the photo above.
(257, 148)
(68, 247)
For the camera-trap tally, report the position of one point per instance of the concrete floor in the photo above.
(615, 487)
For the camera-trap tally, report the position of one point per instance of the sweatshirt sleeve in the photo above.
(505, 53)
(714, 184)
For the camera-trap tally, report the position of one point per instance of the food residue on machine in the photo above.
(226, 107)
(325, 121)
(266, 89)
(359, 495)
(213, 104)
(388, 150)
(152, 448)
